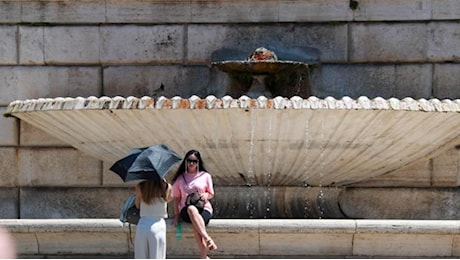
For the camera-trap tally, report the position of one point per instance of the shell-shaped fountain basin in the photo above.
(259, 141)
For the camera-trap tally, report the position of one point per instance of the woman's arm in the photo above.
(137, 202)
(209, 192)
(168, 192)
(206, 196)
(176, 194)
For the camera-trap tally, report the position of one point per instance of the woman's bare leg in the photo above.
(198, 225)
(201, 245)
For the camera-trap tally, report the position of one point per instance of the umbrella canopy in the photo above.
(146, 163)
(121, 166)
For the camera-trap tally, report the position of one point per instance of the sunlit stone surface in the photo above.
(259, 141)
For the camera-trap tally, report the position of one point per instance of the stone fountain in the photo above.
(271, 156)
(275, 152)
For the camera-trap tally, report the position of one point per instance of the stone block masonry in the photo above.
(387, 48)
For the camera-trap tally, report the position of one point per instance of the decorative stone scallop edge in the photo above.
(227, 102)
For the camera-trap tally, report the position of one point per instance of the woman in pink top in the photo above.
(193, 177)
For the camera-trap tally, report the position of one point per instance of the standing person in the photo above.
(193, 177)
(151, 198)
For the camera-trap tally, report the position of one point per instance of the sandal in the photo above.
(210, 244)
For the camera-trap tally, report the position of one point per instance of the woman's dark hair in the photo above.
(181, 170)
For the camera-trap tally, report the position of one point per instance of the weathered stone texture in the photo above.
(443, 42)
(446, 169)
(383, 42)
(456, 246)
(41, 82)
(300, 244)
(31, 45)
(354, 81)
(236, 11)
(72, 45)
(8, 130)
(72, 202)
(377, 10)
(9, 201)
(57, 167)
(67, 242)
(414, 80)
(139, 11)
(155, 81)
(316, 10)
(386, 245)
(330, 39)
(204, 39)
(95, 45)
(8, 51)
(142, 44)
(385, 81)
(400, 203)
(445, 9)
(33, 136)
(50, 11)
(10, 11)
(27, 243)
(9, 169)
(418, 174)
(446, 80)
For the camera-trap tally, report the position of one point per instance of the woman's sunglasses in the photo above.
(192, 161)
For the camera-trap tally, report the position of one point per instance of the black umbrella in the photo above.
(121, 166)
(146, 163)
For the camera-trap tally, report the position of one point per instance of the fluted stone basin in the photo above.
(262, 141)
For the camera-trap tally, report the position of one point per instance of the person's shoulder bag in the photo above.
(194, 199)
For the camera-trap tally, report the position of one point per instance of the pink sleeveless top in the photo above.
(193, 182)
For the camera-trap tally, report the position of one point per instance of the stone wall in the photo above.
(86, 48)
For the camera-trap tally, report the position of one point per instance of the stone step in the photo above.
(244, 238)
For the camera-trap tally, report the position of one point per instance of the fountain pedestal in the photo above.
(267, 76)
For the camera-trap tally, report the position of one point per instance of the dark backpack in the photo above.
(129, 213)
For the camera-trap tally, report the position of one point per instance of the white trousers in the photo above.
(150, 240)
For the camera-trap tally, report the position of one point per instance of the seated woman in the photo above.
(192, 177)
